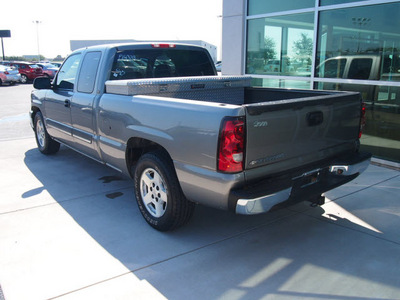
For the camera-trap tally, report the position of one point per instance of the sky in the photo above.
(62, 21)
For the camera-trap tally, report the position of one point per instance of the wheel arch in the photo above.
(137, 147)
(34, 111)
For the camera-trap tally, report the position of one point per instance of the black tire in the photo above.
(45, 143)
(158, 193)
(24, 78)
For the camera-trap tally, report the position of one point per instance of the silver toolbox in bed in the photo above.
(224, 89)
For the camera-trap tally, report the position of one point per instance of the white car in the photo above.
(9, 75)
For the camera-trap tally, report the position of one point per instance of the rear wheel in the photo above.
(158, 193)
(24, 78)
(45, 143)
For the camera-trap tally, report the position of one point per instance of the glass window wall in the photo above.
(363, 43)
(257, 7)
(358, 49)
(281, 83)
(382, 130)
(280, 45)
(360, 43)
(334, 2)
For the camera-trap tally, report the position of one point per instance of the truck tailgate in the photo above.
(285, 134)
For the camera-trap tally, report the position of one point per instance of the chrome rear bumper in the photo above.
(309, 184)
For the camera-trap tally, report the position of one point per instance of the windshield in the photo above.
(153, 63)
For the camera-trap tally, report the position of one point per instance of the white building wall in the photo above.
(233, 37)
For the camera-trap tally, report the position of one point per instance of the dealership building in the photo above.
(323, 44)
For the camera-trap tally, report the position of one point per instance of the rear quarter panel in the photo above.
(188, 130)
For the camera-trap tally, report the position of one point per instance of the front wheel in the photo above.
(158, 193)
(45, 143)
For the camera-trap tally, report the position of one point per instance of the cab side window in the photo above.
(334, 68)
(67, 74)
(360, 68)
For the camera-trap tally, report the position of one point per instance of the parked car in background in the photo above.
(9, 75)
(57, 64)
(279, 66)
(49, 69)
(28, 71)
(273, 65)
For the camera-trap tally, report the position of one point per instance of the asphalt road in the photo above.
(70, 229)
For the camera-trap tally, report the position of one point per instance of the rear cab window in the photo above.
(156, 63)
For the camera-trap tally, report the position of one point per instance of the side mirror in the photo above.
(42, 83)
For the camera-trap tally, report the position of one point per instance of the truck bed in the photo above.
(285, 128)
(234, 90)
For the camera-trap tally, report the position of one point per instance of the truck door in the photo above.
(82, 103)
(58, 100)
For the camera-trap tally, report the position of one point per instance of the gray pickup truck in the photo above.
(160, 114)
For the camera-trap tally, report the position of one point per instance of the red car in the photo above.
(49, 70)
(28, 71)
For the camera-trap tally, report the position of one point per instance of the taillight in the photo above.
(362, 120)
(5, 72)
(231, 145)
(163, 45)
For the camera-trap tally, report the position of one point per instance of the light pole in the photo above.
(37, 37)
(360, 22)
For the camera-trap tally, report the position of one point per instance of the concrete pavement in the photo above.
(70, 229)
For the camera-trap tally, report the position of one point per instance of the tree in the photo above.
(269, 51)
(303, 48)
(58, 58)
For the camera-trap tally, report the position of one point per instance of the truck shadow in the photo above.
(218, 253)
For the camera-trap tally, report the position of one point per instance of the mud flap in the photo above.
(320, 200)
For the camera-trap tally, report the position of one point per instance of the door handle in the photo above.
(67, 103)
